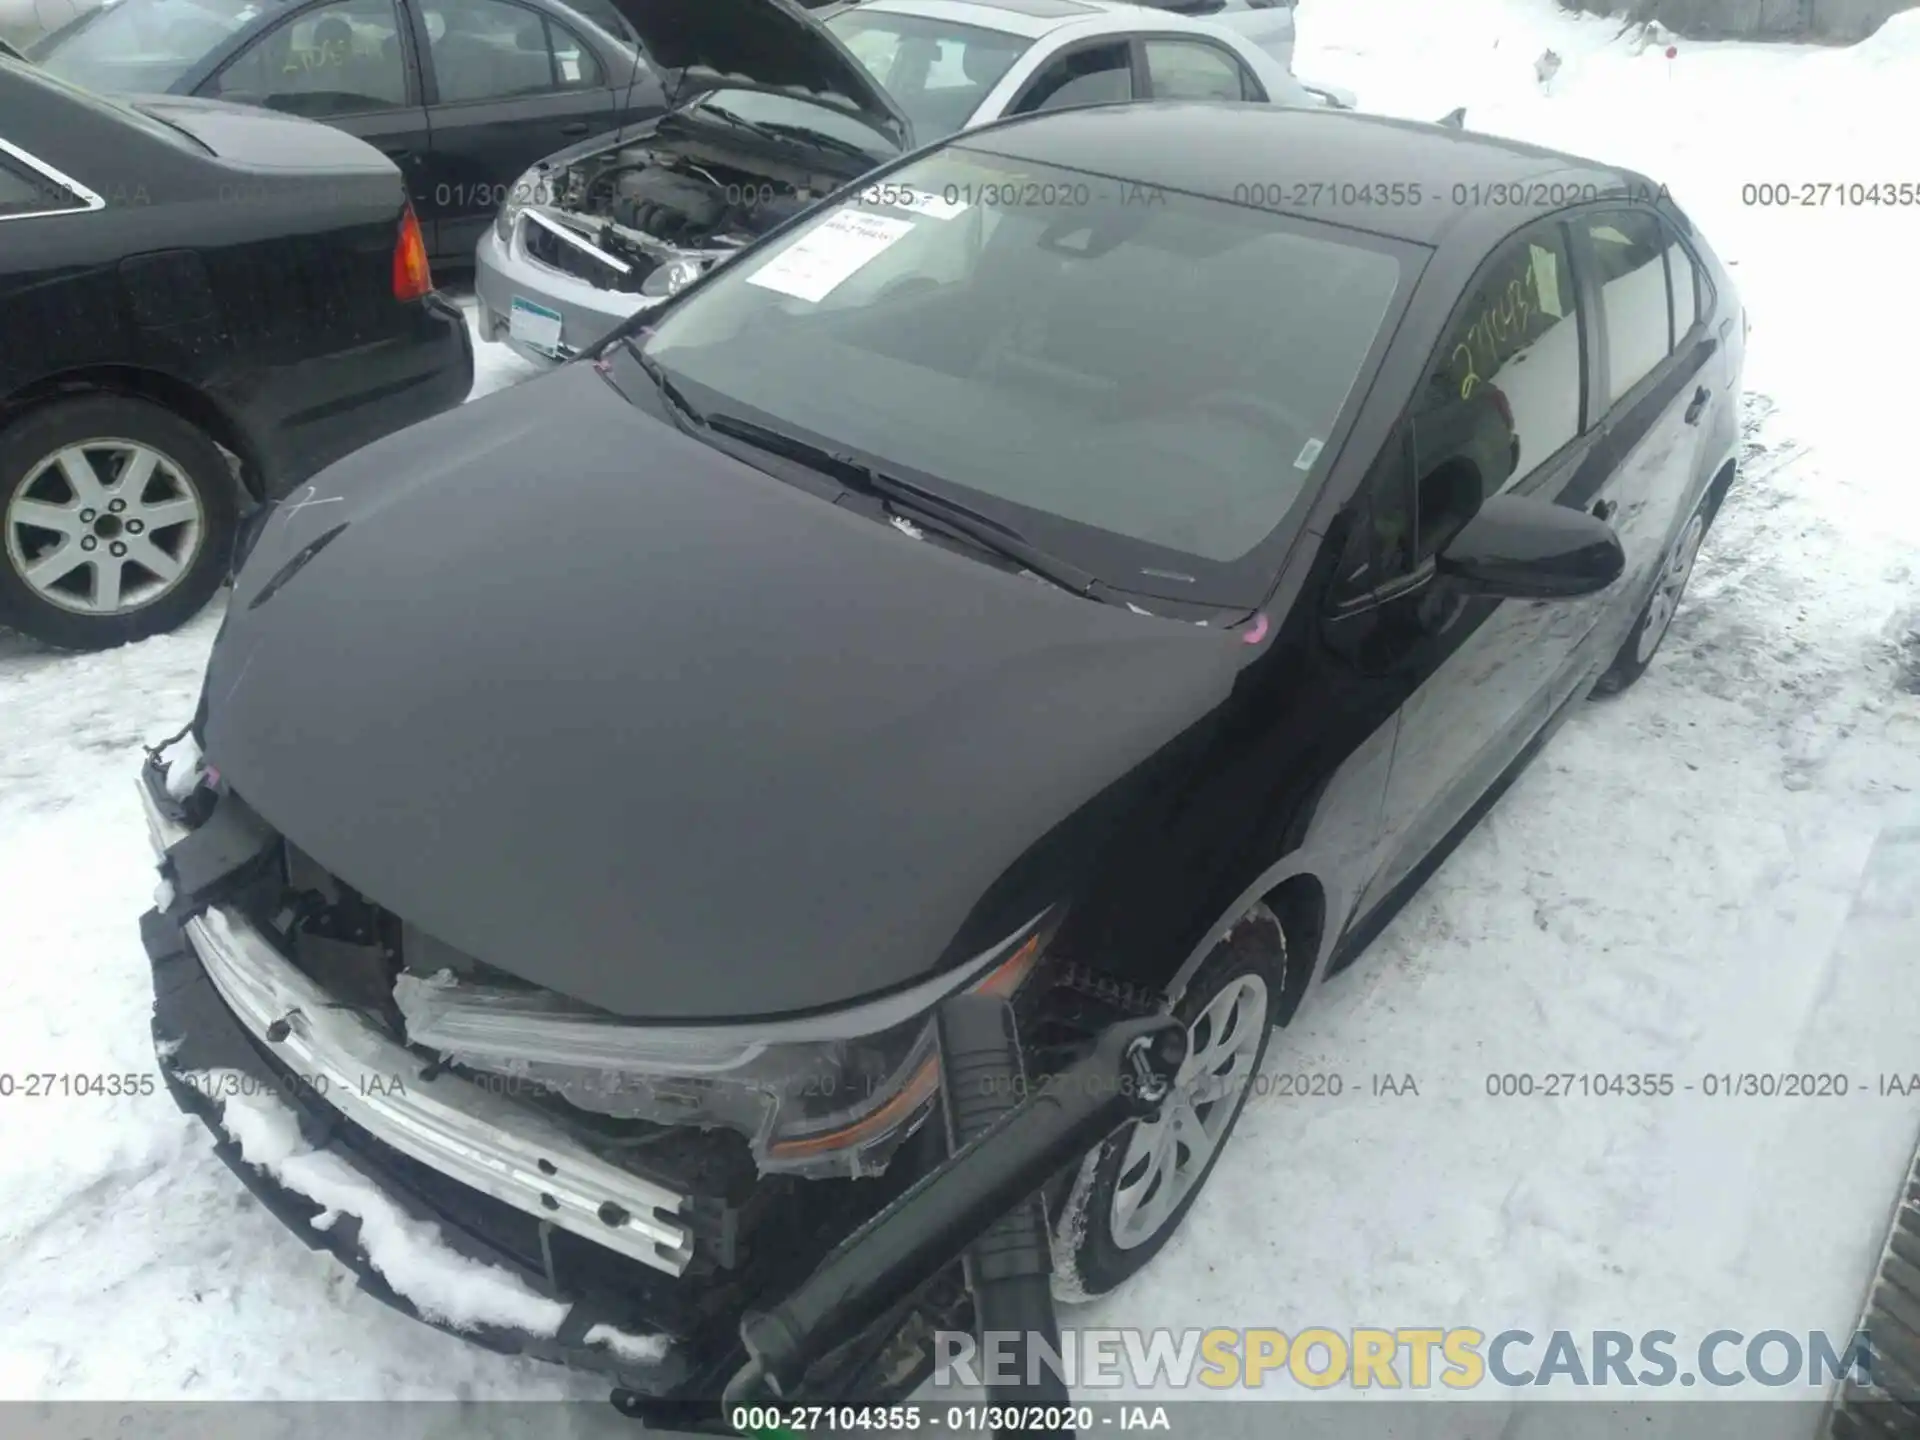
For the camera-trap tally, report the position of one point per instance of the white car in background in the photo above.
(788, 106)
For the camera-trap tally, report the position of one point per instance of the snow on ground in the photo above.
(1708, 874)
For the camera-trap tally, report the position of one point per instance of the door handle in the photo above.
(1698, 404)
(397, 152)
(577, 127)
(1603, 509)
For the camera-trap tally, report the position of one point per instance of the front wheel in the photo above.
(1133, 1192)
(116, 521)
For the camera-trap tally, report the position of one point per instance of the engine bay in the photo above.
(651, 206)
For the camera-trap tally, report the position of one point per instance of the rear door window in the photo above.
(1630, 271)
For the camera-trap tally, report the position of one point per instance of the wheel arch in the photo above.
(1719, 485)
(1301, 899)
(157, 387)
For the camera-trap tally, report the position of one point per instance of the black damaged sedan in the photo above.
(1063, 565)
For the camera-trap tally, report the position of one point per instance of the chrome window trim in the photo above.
(89, 201)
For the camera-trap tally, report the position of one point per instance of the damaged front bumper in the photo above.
(589, 1255)
(514, 287)
(569, 1237)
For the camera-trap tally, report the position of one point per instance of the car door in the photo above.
(506, 85)
(1653, 356)
(349, 63)
(1507, 405)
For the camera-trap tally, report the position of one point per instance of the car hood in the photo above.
(605, 708)
(259, 139)
(769, 43)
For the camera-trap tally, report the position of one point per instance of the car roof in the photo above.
(1319, 164)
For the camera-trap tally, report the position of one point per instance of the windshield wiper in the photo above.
(752, 127)
(824, 141)
(682, 408)
(904, 498)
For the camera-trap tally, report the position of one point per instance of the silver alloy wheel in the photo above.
(1166, 1157)
(1671, 585)
(104, 527)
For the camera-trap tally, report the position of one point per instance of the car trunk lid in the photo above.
(263, 140)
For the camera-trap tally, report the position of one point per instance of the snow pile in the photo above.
(185, 765)
(408, 1253)
(639, 1348)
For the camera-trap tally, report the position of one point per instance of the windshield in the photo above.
(936, 71)
(144, 46)
(1142, 382)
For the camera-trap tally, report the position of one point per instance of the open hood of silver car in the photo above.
(768, 43)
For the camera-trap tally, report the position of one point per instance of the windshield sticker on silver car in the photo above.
(1309, 453)
(811, 267)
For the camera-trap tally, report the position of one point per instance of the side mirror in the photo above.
(1519, 547)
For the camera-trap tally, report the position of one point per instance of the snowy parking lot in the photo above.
(1716, 874)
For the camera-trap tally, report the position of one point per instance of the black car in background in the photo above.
(202, 305)
(463, 95)
(1050, 566)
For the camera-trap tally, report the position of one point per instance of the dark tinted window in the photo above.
(1195, 70)
(1506, 393)
(1098, 75)
(339, 59)
(492, 50)
(1631, 271)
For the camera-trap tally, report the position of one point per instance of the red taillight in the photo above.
(412, 278)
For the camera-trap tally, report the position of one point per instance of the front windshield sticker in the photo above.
(1309, 453)
(812, 266)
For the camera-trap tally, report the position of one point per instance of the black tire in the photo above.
(1656, 616)
(191, 466)
(1088, 1259)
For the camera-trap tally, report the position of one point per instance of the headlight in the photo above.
(535, 187)
(808, 1102)
(670, 278)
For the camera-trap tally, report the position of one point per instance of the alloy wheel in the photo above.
(1670, 587)
(104, 526)
(1167, 1156)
